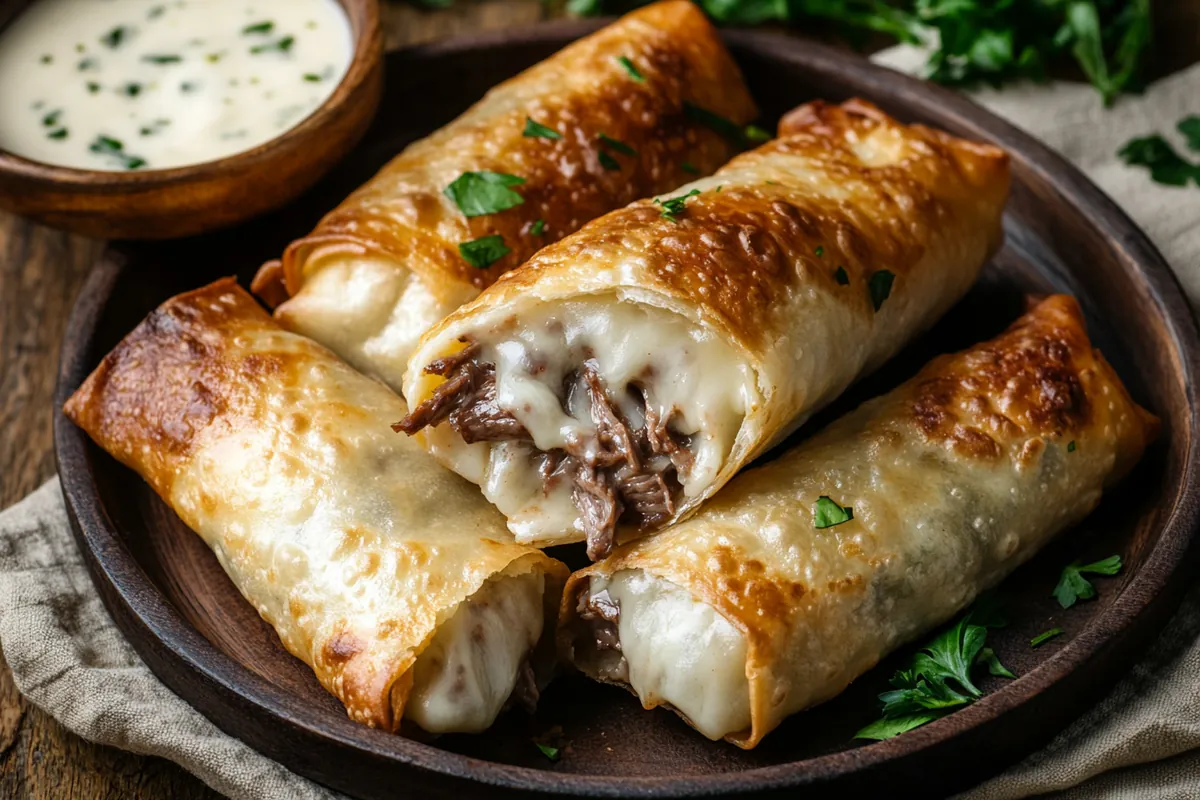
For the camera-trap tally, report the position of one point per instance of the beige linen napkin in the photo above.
(1143, 740)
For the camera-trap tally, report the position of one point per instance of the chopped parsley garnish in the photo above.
(820, 251)
(938, 679)
(264, 27)
(608, 162)
(690, 168)
(539, 225)
(93, 87)
(284, 45)
(552, 753)
(312, 77)
(115, 149)
(57, 133)
(51, 119)
(162, 59)
(47, 59)
(827, 513)
(154, 127)
(86, 64)
(482, 253)
(115, 37)
(880, 285)
(714, 122)
(672, 208)
(1072, 586)
(1045, 636)
(536, 130)
(479, 193)
(753, 133)
(617, 145)
(187, 87)
(1071, 446)
(631, 69)
(156, 12)
(1166, 166)
(841, 277)
(131, 89)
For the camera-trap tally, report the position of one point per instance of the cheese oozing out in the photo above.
(367, 310)
(645, 357)
(675, 650)
(465, 676)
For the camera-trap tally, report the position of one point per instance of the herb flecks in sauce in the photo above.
(264, 27)
(283, 45)
(116, 36)
(536, 130)
(163, 58)
(114, 149)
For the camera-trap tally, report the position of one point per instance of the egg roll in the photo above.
(638, 107)
(804, 572)
(626, 373)
(388, 575)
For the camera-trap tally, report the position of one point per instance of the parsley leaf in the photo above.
(552, 753)
(162, 59)
(987, 656)
(690, 168)
(672, 208)
(880, 285)
(536, 130)
(841, 277)
(114, 37)
(484, 252)
(1166, 166)
(1071, 446)
(633, 71)
(827, 513)
(753, 133)
(266, 26)
(608, 162)
(1190, 128)
(820, 250)
(1044, 637)
(480, 193)
(938, 679)
(537, 228)
(115, 150)
(1072, 586)
(617, 145)
(284, 45)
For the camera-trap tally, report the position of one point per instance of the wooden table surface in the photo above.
(41, 270)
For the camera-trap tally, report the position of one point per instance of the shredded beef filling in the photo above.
(600, 614)
(525, 693)
(629, 476)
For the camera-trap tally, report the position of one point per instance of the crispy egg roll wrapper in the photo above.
(384, 265)
(389, 576)
(712, 330)
(747, 613)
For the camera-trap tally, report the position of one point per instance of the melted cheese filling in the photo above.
(679, 651)
(369, 311)
(464, 677)
(687, 374)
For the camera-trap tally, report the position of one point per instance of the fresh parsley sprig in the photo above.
(938, 679)
(1165, 164)
(673, 207)
(1072, 586)
(481, 253)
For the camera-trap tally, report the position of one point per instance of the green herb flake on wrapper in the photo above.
(480, 193)
(483, 252)
(536, 130)
(827, 513)
(633, 71)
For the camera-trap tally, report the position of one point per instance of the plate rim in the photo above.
(135, 602)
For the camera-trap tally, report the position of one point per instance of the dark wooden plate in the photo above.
(168, 594)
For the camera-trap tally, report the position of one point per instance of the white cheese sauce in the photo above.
(140, 84)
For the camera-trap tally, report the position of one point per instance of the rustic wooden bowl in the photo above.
(168, 594)
(183, 201)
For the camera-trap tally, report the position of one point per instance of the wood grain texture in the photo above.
(40, 274)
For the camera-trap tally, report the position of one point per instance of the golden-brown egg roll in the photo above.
(389, 576)
(627, 372)
(638, 107)
(803, 573)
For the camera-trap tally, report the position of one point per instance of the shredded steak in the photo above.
(600, 615)
(623, 475)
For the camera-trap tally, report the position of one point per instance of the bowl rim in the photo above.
(367, 54)
(135, 601)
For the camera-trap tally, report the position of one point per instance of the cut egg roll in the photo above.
(638, 107)
(624, 374)
(388, 575)
(804, 572)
